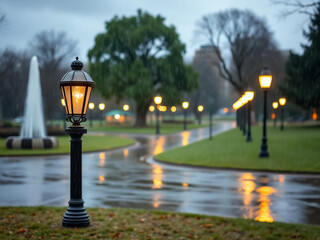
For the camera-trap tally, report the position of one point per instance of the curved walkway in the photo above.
(129, 178)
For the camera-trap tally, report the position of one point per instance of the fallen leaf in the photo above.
(22, 230)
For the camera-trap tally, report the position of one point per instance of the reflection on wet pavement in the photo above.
(122, 178)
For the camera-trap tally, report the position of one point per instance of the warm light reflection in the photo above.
(314, 116)
(185, 138)
(151, 108)
(101, 179)
(247, 187)
(102, 157)
(102, 106)
(185, 185)
(157, 176)
(156, 200)
(159, 146)
(282, 178)
(162, 108)
(264, 214)
(117, 116)
(173, 109)
(91, 106)
(125, 153)
(126, 107)
(63, 103)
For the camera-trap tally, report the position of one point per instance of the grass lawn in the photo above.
(165, 128)
(297, 149)
(89, 144)
(45, 223)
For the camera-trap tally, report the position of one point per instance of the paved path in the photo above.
(129, 178)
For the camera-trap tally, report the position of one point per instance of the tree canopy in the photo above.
(138, 57)
(302, 82)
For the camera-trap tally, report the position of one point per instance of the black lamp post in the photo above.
(102, 106)
(185, 106)
(157, 101)
(275, 107)
(282, 102)
(210, 117)
(200, 110)
(249, 96)
(76, 86)
(265, 80)
(91, 107)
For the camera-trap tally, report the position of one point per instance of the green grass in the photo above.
(89, 144)
(45, 223)
(297, 149)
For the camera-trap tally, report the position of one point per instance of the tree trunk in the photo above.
(141, 116)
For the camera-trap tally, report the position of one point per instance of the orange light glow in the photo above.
(185, 185)
(101, 179)
(282, 101)
(273, 116)
(91, 106)
(159, 146)
(102, 106)
(200, 108)
(151, 108)
(126, 107)
(126, 153)
(282, 178)
(173, 109)
(157, 176)
(275, 105)
(102, 157)
(314, 116)
(249, 95)
(225, 110)
(265, 81)
(185, 105)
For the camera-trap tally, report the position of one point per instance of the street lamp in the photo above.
(249, 96)
(282, 102)
(265, 80)
(185, 106)
(91, 107)
(102, 106)
(125, 108)
(76, 86)
(157, 101)
(200, 110)
(151, 109)
(173, 110)
(275, 106)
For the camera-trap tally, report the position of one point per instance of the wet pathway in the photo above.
(128, 178)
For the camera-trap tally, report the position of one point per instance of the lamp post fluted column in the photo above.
(249, 139)
(157, 121)
(264, 147)
(76, 215)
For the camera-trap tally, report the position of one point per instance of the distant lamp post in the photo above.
(185, 106)
(173, 110)
(157, 100)
(265, 80)
(91, 107)
(249, 96)
(151, 109)
(244, 101)
(211, 101)
(275, 106)
(200, 110)
(282, 102)
(102, 106)
(76, 86)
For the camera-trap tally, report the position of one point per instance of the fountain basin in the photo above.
(31, 143)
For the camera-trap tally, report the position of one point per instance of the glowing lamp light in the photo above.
(151, 108)
(63, 103)
(273, 116)
(102, 106)
(91, 106)
(117, 116)
(126, 107)
(275, 105)
(185, 105)
(282, 101)
(249, 95)
(173, 109)
(200, 108)
(76, 86)
(243, 100)
(225, 110)
(157, 100)
(265, 79)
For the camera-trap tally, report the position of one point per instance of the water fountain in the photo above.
(33, 133)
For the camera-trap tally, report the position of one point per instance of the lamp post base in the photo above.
(76, 215)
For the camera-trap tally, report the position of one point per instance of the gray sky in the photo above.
(83, 20)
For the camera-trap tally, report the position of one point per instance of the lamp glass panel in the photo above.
(282, 101)
(275, 105)
(185, 105)
(78, 93)
(157, 100)
(265, 81)
(87, 99)
(249, 95)
(67, 98)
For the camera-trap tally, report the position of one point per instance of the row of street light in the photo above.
(275, 105)
(265, 80)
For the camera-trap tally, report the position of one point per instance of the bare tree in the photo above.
(52, 49)
(235, 36)
(297, 6)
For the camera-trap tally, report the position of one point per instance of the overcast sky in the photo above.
(83, 20)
